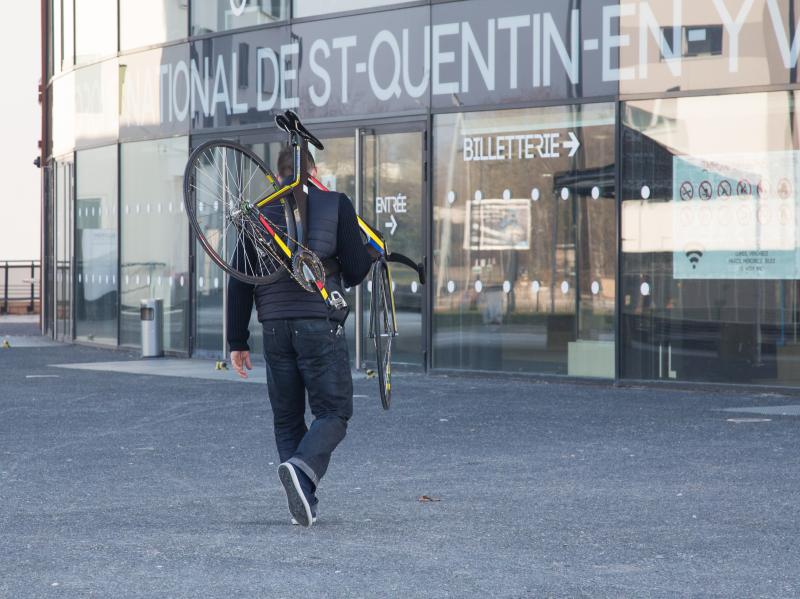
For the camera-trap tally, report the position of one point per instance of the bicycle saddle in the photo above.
(290, 122)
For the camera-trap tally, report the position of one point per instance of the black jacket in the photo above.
(333, 233)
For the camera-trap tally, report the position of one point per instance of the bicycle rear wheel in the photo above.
(222, 183)
(382, 328)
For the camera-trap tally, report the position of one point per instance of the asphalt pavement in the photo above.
(117, 484)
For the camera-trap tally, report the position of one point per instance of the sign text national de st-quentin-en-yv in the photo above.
(456, 54)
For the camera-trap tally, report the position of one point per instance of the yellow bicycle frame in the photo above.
(282, 191)
(372, 236)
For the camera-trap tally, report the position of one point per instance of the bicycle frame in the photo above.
(299, 138)
(286, 188)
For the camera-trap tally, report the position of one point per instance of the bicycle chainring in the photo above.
(307, 269)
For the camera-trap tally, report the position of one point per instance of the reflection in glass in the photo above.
(95, 30)
(716, 45)
(96, 103)
(154, 259)
(309, 8)
(524, 244)
(144, 112)
(148, 22)
(224, 15)
(711, 255)
(393, 199)
(96, 245)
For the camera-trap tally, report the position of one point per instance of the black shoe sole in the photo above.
(298, 506)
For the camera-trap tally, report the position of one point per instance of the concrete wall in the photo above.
(20, 129)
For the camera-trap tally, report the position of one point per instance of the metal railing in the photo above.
(19, 286)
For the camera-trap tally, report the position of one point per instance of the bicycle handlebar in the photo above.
(406, 261)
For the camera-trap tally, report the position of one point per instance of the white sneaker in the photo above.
(296, 523)
(298, 504)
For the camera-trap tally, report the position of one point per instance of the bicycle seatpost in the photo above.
(300, 193)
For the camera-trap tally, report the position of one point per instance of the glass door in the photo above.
(382, 171)
(393, 199)
(336, 169)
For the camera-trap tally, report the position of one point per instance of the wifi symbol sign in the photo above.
(694, 257)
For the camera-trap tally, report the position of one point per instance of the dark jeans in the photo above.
(308, 355)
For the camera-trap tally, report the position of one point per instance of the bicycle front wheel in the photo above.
(383, 328)
(222, 183)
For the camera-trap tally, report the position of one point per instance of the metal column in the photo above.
(358, 323)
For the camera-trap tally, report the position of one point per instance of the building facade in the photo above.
(598, 188)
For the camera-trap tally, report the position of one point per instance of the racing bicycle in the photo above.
(253, 226)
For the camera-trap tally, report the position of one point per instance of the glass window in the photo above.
(48, 272)
(96, 100)
(224, 15)
(209, 292)
(210, 288)
(56, 50)
(244, 79)
(150, 107)
(154, 259)
(61, 36)
(309, 8)
(710, 239)
(680, 46)
(67, 34)
(95, 30)
(63, 249)
(62, 114)
(148, 22)
(96, 245)
(211, 281)
(525, 240)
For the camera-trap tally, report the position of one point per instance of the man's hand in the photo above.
(241, 360)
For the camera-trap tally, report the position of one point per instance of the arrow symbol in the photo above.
(392, 224)
(573, 144)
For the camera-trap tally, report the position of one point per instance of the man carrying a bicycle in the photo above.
(304, 343)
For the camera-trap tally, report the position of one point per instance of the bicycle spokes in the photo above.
(223, 183)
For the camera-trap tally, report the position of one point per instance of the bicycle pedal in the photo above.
(221, 365)
(371, 374)
(6, 344)
(337, 301)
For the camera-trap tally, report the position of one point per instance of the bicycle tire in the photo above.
(224, 174)
(382, 329)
